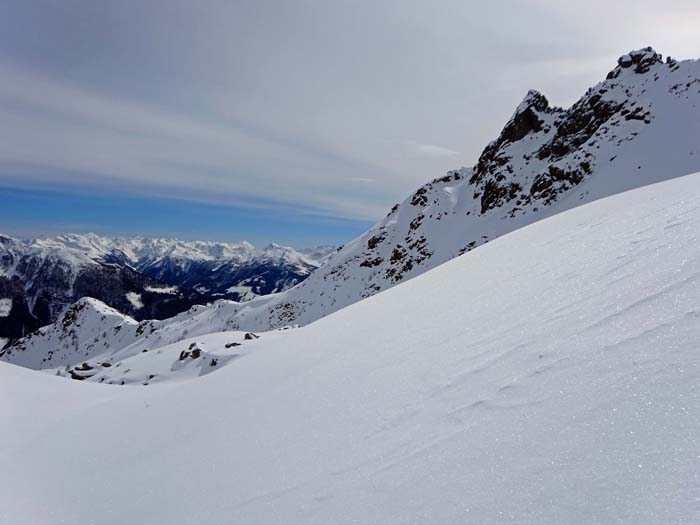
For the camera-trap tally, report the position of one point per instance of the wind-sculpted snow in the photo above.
(551, 376)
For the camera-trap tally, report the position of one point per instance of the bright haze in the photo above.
(296, 122)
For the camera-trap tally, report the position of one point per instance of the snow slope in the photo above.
(550, 376)
(93, 342)
(186, 359)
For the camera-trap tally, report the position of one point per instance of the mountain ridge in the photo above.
(142, 277)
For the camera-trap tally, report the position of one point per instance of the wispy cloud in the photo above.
(361, 179)
(431, 150)
(420, 149)
(54, 133)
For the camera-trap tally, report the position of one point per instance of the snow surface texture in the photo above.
(550, 376)
(639, 126)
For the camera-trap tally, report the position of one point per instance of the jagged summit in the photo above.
(534, 101)
(639, 61)
(76, 336)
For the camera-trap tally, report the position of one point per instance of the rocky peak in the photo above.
(533, 100)
(529, 118)
(639, 61)
(545, 151)
(526, 118)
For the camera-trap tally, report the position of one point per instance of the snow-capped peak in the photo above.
(76, 336)
(639, 61)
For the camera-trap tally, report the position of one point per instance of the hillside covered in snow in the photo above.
(550, 376)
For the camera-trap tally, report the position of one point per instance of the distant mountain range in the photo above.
(144, 278)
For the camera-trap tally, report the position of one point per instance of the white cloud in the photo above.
(431, 150)
(361, 179)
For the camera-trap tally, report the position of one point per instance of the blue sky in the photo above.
(296, 122)
(29, 213)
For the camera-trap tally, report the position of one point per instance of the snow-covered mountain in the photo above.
(237, 271)
(145, 278)
(550, 376)
(94, 342)
(37, 282)
(638, 126)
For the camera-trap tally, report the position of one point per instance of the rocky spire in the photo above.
(639, 61)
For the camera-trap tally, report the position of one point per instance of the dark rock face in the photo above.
(218, 280)
(52, 285)
(112, 284)
(526, 119)
(494, 194)
(641, 59)
(20, 320)
(562, 134)
(491, 174)
(547, 186)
